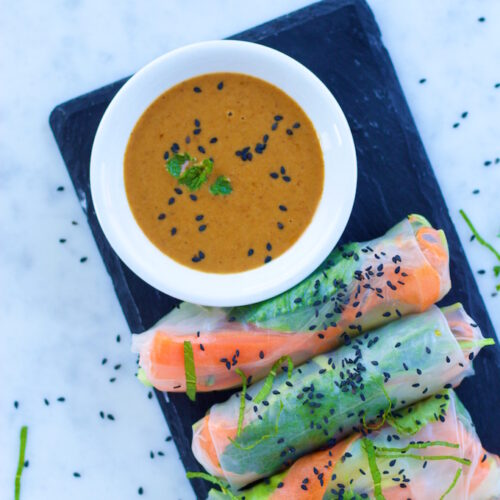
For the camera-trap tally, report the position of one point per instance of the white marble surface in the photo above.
(60, 317)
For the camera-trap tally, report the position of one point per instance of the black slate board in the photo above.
(340, 42)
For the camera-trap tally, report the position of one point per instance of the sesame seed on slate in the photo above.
(464, 114)
(83, 259)
(201, 149)
(193, 197)
(213, 140)
(422, 80)
(173, 231)
(118, 338)
(267, 259)
(110, 416)
(161, 216)
(76, 474)
(74, 223)
(16, 404)
(168, 439)
(101, 414)
(202, 228)
(197, 90)
(455, 125)
(60, 188)
(250, 252)
(62, 240)
(178, 190)
(150, 395)
(476, 191)
(220, 85)
(61, 399)
(140, 490)
(46, 401)
(112, 379)
(481, 19)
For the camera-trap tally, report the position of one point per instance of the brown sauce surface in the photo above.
(275, 193)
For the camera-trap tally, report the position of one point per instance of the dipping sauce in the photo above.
(266, 175)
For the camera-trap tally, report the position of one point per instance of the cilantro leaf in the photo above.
(177, 162)
(194, 177)
(222, 185)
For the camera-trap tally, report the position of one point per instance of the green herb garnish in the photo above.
(20, 463)
(194, 177)
(214, 480)
(411, 446)
(189, 370)
(469, 344)
(222, 185)
(483, 242)
(242, 400)
(387, 411)
(268, 384)
(369, 448)
(143, 378)
(453, 483)
(177, 163)
(464, 461)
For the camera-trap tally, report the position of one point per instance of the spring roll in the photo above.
(359, 287)
(427, 450)
(335, 393)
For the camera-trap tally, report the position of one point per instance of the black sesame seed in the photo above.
(202, 228)
(201, 149)
(61, 399)
(286, 178)
(197, 90)
(171, 201)
(166, 154)
(76, 474)
(197, 123)
(250, 252)
(161, 216)
(173, 231)
(274, 175)
(464, 114)
(62, 240)
(112, 379)
(188, 139)
(193, 197)
(455, 125)
(269, 247)
(83, 259)
(289, 131)
(274, 126)
(201, 255)
(60, 188)
(16, 404)
(267, 259)
(199, 217)
(481, 19)
(261, 354)
(220, 85)
(196, 131)
(280, 225)
(422, 80)
(296, 125)
(213, 140)
(178, 190)
(175, 147)
(140, 490)
(282, 208)
(278, 118)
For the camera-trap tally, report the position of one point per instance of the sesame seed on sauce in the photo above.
(173, 231)
(267, 259)
(282, 170)
(250, 252)
(282, 208)
(166, 154)
(193, 197)
(175, 147)
(201, 149)
(286, 178)
(274, 126)
(296, 125)
(269, 247)
(178, 190)
(213, 140)
(278, 118)
(187, 139)
(197, 90)
(280, 225)
(289, 131)
(171, 201)
(202, 228)
(161, 216)
(220, 85)
(273, 175)
(197, 123)
(199, 217)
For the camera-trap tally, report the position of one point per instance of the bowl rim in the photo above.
(166, 274)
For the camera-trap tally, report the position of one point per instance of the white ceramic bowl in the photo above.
(127, 238)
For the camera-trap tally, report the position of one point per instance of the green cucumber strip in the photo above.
(452, 485)
(143, 378)
(268, 384)
(467, 344)
(211, 479)
(20, 463)
(242, 400)
(189, 370)
(367, 445)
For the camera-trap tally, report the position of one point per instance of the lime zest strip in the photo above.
(268, 384)
(452, 485)
(20, 463)
(242, 400)
(189, 370)
(369, 448)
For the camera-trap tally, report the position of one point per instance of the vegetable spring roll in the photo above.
(425, 451)
(360, 286)
(334, 394)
